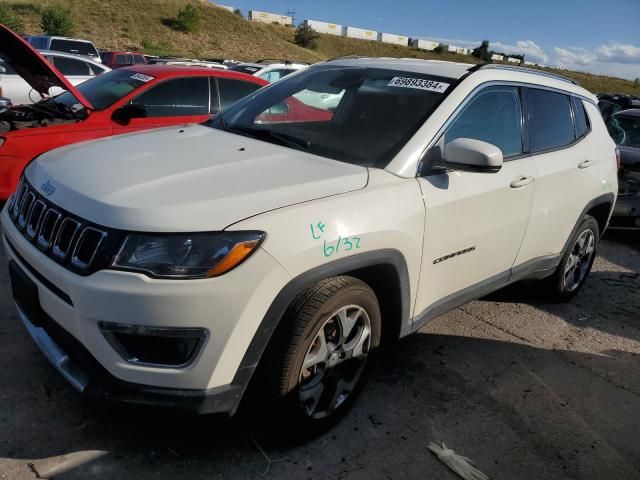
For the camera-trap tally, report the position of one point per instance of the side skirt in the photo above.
(537, 268)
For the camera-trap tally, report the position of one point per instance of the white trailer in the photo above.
(424, 44)
(497, 58)
(460, 50)
(324, 27)
(453, 48)
(225, 7)
(392, 38)
(513, 60)
(529, 64)
(266, 17)
(361, 33)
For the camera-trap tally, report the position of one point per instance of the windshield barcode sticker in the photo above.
(142, 77)
(419, 83)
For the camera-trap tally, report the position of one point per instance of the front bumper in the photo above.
(626, 213)
(230, 308)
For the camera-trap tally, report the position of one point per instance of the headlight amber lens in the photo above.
(197, 255)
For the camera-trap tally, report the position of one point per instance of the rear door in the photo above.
(170, 102)
(568, 177)
(475, 222)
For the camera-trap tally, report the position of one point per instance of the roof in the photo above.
(168, 71)
(438, 68)
(56, 53)
(59, 37)
(631, 112)
(482, 73)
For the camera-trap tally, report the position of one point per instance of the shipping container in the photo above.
(513, 60)
(266, 17)
(392, 38)
(461, 50)
(497, 58)
(324, 27)
(353, 32)
(424, 44)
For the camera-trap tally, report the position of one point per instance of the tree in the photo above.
(55, 20)
(441, 48)
(482, 52)
(187, 20)
(10, 19)
(306, 36)
(238, 12)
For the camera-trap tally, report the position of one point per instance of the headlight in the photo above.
(194, 255)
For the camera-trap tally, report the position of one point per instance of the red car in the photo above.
(122, 59)
(123, 100)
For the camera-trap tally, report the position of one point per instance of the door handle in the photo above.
(585, 164)
(521, 182)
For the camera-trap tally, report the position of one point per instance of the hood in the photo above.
(184, 179)
(33, 67)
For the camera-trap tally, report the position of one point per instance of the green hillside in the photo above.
(143, 25)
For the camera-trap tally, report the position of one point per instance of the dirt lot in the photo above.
(528, 390)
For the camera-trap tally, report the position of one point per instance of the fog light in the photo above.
(154, 346)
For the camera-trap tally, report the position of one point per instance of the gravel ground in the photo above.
(526, 389)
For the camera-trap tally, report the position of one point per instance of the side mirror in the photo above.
(2, 69)
(471, 155)
(127, 112)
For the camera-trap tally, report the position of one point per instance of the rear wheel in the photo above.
(576, 262)
(316, 363)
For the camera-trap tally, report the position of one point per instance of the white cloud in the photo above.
(573, 56)
(619, 53)
(531, 50)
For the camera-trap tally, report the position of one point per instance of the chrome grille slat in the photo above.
(70, 241)
(35, 217)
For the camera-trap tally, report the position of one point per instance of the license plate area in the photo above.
(25, 293)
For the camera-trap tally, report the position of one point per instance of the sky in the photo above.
(597, 36)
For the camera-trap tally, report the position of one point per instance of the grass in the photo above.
(142, 25)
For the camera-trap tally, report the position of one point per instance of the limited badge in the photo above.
(142, 77)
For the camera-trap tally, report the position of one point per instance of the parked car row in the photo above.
(255, 255)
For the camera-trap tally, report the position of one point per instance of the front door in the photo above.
(475, 222)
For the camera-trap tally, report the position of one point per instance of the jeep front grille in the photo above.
(79, 245)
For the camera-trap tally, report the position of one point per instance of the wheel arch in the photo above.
(385, 271)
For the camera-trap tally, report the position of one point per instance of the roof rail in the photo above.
(496, 66)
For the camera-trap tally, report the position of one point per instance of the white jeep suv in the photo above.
(262, 255)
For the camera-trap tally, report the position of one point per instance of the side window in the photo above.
(138, 59)
(493, 116)
(71, 66)
(121, 59)
(178, 97)
(38, 43)
(97, 70)
(275, 75)
(582, 119)
(233, 90)
(549, 119)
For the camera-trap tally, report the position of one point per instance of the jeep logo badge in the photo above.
(48, 188)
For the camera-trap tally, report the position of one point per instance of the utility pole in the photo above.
(292, 14)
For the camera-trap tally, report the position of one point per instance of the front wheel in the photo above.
(576, 262)
(316, 363)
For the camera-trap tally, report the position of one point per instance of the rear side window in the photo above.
(121, 59)
(138, 59)
(177, 97)
(233, 90)
(493, 116)
(73, 46)
(549, 119)
(582, 120)
(275, 75)
(71, 66)
(39, 43)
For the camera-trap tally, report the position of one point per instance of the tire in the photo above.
(314, 368)
(564, 284)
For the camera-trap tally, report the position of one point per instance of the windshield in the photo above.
(248, 69)
(357, 115)
(625, 130)
(107, 88)
(73, 46)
